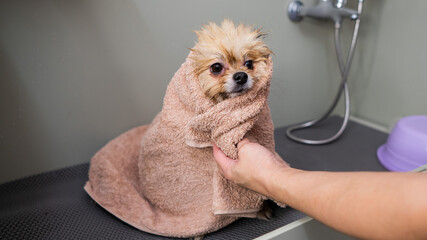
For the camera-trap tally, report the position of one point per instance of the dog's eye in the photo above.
(216, 68)
(249, 64)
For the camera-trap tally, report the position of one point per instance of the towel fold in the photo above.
(161, 178)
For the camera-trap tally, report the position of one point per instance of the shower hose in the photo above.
(344, 69)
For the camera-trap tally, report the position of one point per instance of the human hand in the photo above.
(255, 168)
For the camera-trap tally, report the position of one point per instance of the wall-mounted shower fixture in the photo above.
(323, 10)
(326, 10)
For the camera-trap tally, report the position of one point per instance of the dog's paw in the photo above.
(266, 213)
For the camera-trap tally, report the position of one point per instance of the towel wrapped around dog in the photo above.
(161, 178)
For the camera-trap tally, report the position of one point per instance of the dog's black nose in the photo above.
(240, 77)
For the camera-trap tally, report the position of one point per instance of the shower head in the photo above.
(324, 9)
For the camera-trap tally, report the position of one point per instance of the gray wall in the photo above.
(75, 74)
(389, 76)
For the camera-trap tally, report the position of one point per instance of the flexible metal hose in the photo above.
(344, 69)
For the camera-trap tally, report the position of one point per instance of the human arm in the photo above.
(363, 204)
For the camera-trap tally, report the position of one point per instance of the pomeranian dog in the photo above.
(153, 179)
(229, 59)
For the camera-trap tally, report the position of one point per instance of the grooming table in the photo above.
(54, 205)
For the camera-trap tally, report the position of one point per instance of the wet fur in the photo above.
(231, 46)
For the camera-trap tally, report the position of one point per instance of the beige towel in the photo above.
(161, 178)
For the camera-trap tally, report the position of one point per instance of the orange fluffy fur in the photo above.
(230, 46)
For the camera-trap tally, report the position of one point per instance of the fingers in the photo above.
(227, 165)
(242, 143)
(222, 160)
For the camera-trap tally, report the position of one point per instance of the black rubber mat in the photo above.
(54, 205)
(356, 150)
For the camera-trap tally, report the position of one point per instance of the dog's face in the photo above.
(228, 60)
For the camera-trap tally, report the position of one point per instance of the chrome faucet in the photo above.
(324, 9)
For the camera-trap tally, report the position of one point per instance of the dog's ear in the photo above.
(260, 35)
(268, 52)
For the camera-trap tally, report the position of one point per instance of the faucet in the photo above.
(324, 9)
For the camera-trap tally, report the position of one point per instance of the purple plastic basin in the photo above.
(406, 146)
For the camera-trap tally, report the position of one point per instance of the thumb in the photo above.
(224, 163)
